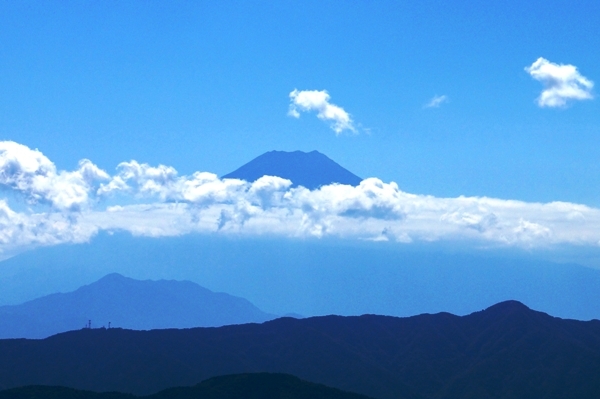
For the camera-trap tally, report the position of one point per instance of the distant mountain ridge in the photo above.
(504, 351)
(307, 169)
(128, 303)
(379, 278)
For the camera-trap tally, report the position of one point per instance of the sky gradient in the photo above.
(476, 122)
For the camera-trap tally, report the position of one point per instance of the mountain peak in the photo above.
(308, 169)
(506, 310)
(114, 277)
(509, 306)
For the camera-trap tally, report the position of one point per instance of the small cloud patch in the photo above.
(436, 101)
(562, 83)
(318, 101)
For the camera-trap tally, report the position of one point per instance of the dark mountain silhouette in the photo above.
(505, 351)
(128, 303)
(307, 169)
(238, 386)
(55, 392)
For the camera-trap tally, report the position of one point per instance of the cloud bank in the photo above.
(562, 83)
(33, 175)
(436, 101)
(72, 206)
(315, 100)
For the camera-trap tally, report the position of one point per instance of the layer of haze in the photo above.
(475, 125)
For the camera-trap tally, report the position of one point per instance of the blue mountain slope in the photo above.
(128, 303)
(308, 169)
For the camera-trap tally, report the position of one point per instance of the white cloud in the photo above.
(142, 179)
(30, 173)
(20, 231)
(562, 83)
(436, 101)
(167, 204)
(315, 100)
(373, 210)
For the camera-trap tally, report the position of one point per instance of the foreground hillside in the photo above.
(505, 351)
(246, 386)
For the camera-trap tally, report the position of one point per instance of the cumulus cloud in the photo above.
(141, 179)
(315, 100)
(562, 83)
(33, 175)
(168, 204)
(20, 231)
(436, 101)
(374, 210)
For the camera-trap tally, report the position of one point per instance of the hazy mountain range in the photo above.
(128, 303)
(305, 276)
(505, 351)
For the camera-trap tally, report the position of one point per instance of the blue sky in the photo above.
(205, 86)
